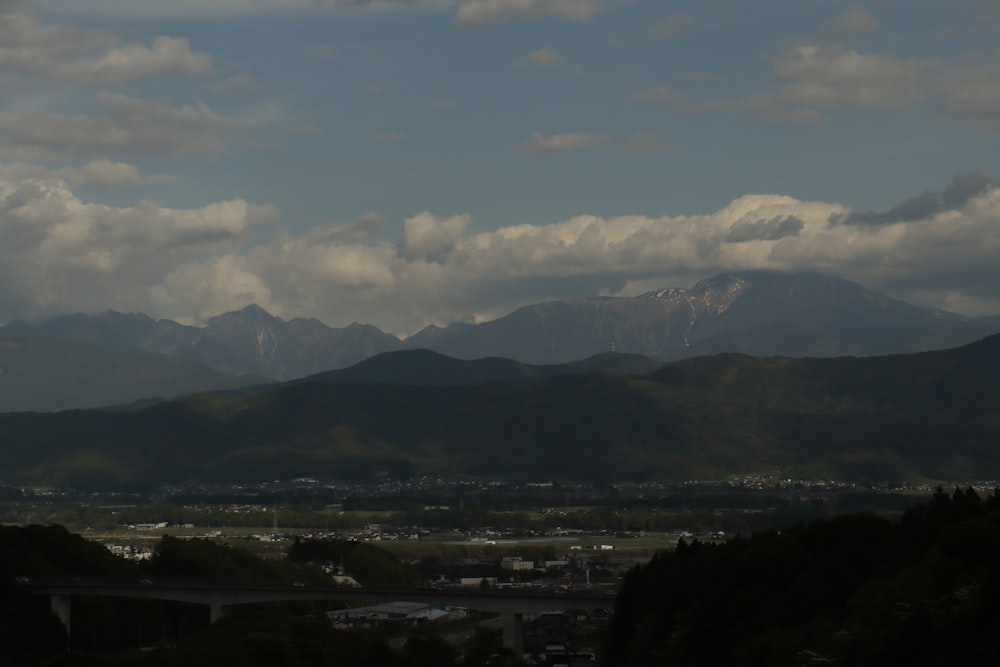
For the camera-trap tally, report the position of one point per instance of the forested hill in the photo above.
(932, 415)
(856, 590)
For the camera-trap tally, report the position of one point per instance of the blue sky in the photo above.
(410, 162)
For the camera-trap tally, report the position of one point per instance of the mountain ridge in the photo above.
(754, 312)
(920, 416)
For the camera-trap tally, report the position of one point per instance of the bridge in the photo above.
(220, 595)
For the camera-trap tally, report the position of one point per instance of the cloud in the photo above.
(672, 26)
(544, 57)
(228, 9)
(773, 229)
(971, 92)
(823, 72)
(560, 143)
(61, 254)
(476, 13)
(64, 54)
(765, 106)
(103, 174)
(963, 188)
(429, 238)
(833, 76)
(129, 127)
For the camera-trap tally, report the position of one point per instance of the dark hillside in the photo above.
(929, 415)
(856, 590)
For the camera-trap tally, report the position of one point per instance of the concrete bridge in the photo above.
(220, 595)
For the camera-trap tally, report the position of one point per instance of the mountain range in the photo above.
(924, 416)
(755, 313)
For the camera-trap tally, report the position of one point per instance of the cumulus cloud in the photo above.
(560, 143)
(65, 54)
(429, 238)
(63, 254)
(129, 127)
(824, 72)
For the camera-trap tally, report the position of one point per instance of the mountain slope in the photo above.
(754, 312)
(426, 368)
(47, 375)
(929, 415)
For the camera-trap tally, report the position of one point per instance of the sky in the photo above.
(412, 162)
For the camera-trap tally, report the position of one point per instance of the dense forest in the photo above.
(854, 590)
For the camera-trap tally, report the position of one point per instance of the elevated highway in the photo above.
(220, 595)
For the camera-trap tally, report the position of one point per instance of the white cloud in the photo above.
(129, 127)
(833, 76)
(64, 54)
(429, 238)
(822, 72)
(560, 143)
(61, 254)
(103, 174)
(544, 57)
(475, 13)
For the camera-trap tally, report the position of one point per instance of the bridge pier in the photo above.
(513, 632)
(59, 604)
(216, 609)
